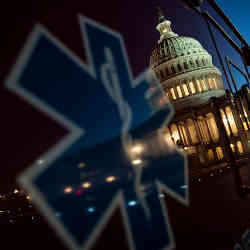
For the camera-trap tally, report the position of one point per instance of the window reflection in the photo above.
(219, 153)
(174, 132)
(239, 147)
(192, 88)
(210, 154)
(212, 126)
(178, 88)
(185, 89)
(231, 120)
(173, 93)
(203, 129)
(225, 122)
(192, 131)
(199, 85)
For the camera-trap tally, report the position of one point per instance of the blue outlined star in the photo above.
(106, 112)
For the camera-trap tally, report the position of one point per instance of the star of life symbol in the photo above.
(91, 171)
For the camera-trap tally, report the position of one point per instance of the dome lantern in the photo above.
(164, 26)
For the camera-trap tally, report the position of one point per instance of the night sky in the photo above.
(26, 133)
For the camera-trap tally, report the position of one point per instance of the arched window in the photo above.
(215, 84)
(178, 88)
(219, 153)
(245, 119)
(199, 85)
(210, 154)
(212, 126)
(191, 63)
(232, 147)
(239, 147)
(175, 133)
(173, 93)
(183, 134)
(173, 69)
(203, 62)
(179, 67)
(203, 84)
(225, 122)
(210, 84)
(197, 62)
(231, 120)
(185, 89)
(203, 129)
(192, 88)
(185, 65)
(192, 131)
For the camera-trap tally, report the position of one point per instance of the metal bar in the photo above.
(219, 55)
(225, 18)
(238, 68)
(206, 15)
(235, 86)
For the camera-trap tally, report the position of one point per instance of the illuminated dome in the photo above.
(184, 68)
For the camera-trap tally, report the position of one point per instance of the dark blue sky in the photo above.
(135, 20)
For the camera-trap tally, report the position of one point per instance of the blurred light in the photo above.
(58, 214)
(40, 161)
(200, 180)
(68, 190)
(81, 165)
(79, 192)
(137, 149)
(132, 203)
(184, 186)
(16, 191)
(220, 170)
(110, 178)
(86, 184)
(11, 221)
(28, 197)
(1, 211)
(211, 174)
(32, 217)
(91, 209)
(137, 161)
(161, 195)
(185, 148)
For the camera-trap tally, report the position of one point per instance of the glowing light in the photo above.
(110, 178)
(91, 209)
(211, 174)
(68, 190)
(137, 161)
(40, 162)
(16, 191)
(199, 180)
(161, 195)
(138, 148)
(1, 211)
(184, 186)
(86, 185)
(81, 165)
(28, 197)
(185, 148)
(132, 203)
(79, 192)
(58, 214)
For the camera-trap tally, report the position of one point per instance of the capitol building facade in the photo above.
(205, 113)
